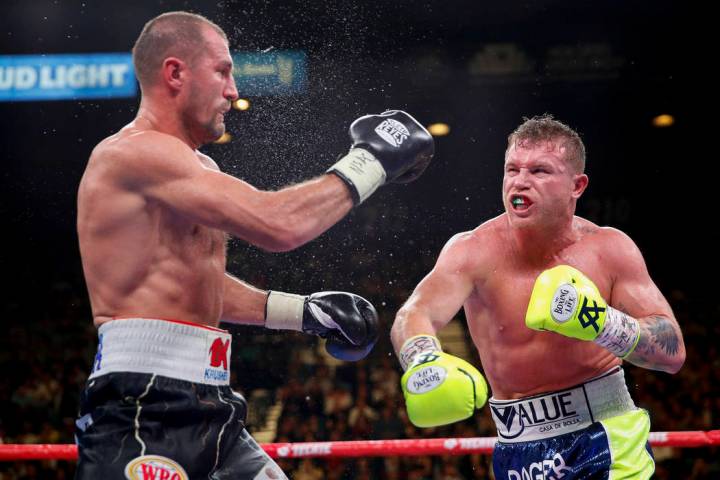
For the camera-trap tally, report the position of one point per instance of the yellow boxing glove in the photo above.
(439, 388)
(565, 301)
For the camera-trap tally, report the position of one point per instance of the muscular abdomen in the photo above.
(518, 361)
(544, 362)
(141, 260)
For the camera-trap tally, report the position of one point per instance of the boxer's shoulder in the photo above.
(492, 229)
(479, 237)
(141, 145)
(134, 157)
(473, 251)
(490, 239)
(591, 231)
(606, 240)
(207, 161)
(132, 143)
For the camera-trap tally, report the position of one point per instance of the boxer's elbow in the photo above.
(286, 226)
(270, 229)
(279, 238)
(263, 232)
(676, 359)
(293, 232)
(676, 362)
(280, 245)
(287, 233)
(671, 363)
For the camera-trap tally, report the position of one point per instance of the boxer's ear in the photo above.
(580, 183)
(174, 72)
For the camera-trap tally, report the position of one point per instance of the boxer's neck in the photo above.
(542, 242)
(164, 117)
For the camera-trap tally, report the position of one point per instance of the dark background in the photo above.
(365, 57)
(605, 68)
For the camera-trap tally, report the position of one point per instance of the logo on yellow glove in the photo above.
(428, 357)
(564, 303)
(589, 316)
(426, 379)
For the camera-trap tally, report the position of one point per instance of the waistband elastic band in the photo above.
(556, 413)
(180, 350)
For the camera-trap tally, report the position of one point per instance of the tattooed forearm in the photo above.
(660, 346)
(665, 336)
(658, 332)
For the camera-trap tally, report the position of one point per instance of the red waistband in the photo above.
(181, 322)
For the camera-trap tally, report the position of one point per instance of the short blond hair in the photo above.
(544, 128)
(172, 34)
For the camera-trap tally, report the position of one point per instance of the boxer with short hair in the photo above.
(554, 304)
(153, 215)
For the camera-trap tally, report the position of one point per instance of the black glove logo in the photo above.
(589, 316)
(393, 132)
(427, 358)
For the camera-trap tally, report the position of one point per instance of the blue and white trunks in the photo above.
(591, 431)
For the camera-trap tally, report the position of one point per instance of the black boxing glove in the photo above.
(348, 321)
(388, 148)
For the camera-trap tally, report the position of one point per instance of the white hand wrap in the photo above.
(284, 311)
(362, 170)
(620, 334)
(416, 345)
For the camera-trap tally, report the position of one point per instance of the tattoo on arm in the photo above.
(658, 340)
(658, 333)
(664, 335)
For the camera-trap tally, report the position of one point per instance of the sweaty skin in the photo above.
(519, 361)
(491, 270)
(154, 212)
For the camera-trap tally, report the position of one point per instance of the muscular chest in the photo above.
(207, 241)
(193, 242)
(502, 302)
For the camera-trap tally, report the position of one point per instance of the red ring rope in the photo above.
(367, 448)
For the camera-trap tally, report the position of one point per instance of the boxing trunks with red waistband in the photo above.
(158, 405)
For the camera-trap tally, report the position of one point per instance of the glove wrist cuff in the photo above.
(284, 311)
(620, 333)
(361, 171)
(416, 345)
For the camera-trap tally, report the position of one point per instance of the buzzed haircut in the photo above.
(172, 34)
(544, 128)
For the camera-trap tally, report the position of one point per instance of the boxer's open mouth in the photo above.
(520, 202)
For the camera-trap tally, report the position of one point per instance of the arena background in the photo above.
(605, 68)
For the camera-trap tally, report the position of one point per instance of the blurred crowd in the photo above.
(48, 346)
(45, 364)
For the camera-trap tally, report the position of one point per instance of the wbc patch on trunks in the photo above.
(154, 467)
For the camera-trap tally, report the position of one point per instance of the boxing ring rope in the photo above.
(367, 448)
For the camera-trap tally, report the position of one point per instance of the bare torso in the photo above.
(519, 361)
(140, 258)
